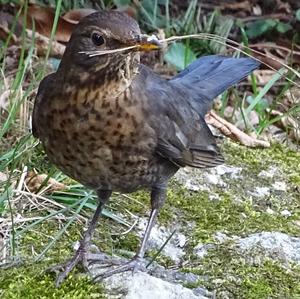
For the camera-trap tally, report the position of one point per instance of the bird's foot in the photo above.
(81, 256)
(134, 265)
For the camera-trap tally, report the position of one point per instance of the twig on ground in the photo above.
(233, 132)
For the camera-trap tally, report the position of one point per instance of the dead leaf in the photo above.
(12, 57)
(237, 5)
(6, 22)
(233, 132)
(263, 76)
(130, 10)
(4, 99)
(277, 53)
(292, 97)
(42, 45)
(35, 181)
(234, 115)
(288, 124)
(3, 178)
(43, 18)
(257, 10)
(75, 15)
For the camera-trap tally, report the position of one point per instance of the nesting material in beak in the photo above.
(147, 43)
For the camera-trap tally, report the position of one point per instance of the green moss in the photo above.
(161, 259)
(33, 282)
(256, 160)
(141, 203)
(232, 276)
(38, 238)
(128, 242)
(225, 215)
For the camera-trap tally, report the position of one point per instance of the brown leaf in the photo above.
(130, 10)
(233, 132)
(43, 20)
(277, 53)
(36, 181)
(263, 76)
(42, 44)
(3, 177)
(6, 22)
(288, 124)
(4, 99)
(237, 5)
(75, 15)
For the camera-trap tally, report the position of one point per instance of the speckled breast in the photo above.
(102, 142)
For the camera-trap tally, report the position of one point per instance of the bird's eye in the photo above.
(97, 39)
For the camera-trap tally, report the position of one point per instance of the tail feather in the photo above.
(209, 76)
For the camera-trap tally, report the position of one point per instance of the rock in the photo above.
(286, 213)
(270, 173)
(261, 192)
(270, 211)
(275, 245)
(191, 179)
(191, 186)
(214, 197)
(221, 237)
(201, 250)
(212, 179)
(201, 180)
(279, 186)
(141, 285)
(234, 172)
(159, 234)
(146, 283)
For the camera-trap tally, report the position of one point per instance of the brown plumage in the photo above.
(112, 124)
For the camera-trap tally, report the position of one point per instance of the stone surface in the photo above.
(159, 235)
(269, 173)
(141, 285)
(201, 180)
(147, 283)
(202, 250)
(286, 213)
(279, 186)
(276, 245)
(261, 191)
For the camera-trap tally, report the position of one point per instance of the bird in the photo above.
(113, 124)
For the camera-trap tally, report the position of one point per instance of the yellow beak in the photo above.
(148, 43)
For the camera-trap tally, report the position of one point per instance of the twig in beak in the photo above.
(103, 52)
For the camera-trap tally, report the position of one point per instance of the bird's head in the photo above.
(101, 31)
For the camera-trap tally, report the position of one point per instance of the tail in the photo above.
(209, 76)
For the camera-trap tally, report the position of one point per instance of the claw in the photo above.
(63, 270)
(79, 257)
(136, 264)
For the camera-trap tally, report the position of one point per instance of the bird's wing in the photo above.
(180, 104)
(196, 148)
(183, 137)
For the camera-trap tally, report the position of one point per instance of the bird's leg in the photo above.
(81, 253)
(158, 195)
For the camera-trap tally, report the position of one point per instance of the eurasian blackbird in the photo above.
(112, 124)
